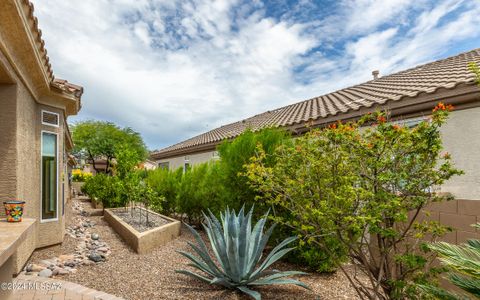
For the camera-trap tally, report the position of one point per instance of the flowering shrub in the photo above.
(363, 191)
(80, 176)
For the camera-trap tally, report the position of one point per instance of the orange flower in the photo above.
(396, 127)
(442, 106)
(446, 155)
(332, 126)
(381, 119)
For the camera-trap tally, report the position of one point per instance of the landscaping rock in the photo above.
(34, 268)
(69, 263)
(95, 257)
(89, 250)
(46, 273)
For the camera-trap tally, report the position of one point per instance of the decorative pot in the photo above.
(14, 210)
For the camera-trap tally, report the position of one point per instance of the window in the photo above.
(50, 118)
(186, 167)
(410, 123)
(163, 165)
(49, 176)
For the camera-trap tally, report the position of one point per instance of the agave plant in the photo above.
(238, 251)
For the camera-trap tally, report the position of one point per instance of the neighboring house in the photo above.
(34, 136)
(409, 95)
(100, 165)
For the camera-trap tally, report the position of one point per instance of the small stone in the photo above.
(45, 273)
(35, 268)
(95, 236)
(102, 249)
(60, 271)
(69, 263)
(66, 257)
(87, 262)
(95, 257)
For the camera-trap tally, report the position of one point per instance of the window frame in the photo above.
(42, 220)
(50, 124)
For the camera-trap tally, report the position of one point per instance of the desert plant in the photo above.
(365, 186)
(236, 153)
(238, 251)
(463, 261)
(166, 183)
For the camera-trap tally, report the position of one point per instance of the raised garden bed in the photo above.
(140, 237)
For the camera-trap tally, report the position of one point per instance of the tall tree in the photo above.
(105, 140)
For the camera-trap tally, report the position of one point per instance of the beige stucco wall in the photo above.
(192, 159)
(8, 157)
(461, 138)
(20, 158)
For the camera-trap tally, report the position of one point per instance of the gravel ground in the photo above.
(151, 276)
(137, 219)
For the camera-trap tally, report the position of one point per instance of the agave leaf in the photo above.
(254, 243)
(284, 243)
(222, 281)
(279, 274)
(259, 250)
(255, 295)
(282, 281)
(196, 261)
(208, 260)
(270, 260)
(233, 258)
(193, 274)
(218, 245)
(244, 238)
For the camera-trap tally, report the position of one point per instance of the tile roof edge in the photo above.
(418, 94)
(70, 88)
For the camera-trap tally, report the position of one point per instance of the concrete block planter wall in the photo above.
(143, 242)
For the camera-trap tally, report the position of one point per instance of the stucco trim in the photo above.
(56, 219)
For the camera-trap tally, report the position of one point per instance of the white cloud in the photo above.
(173, 69)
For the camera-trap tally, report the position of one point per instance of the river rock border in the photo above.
(90, 248)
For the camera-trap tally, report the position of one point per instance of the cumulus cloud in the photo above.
(174, 69)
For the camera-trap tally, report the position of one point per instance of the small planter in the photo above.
(14, 210)
(146, 241)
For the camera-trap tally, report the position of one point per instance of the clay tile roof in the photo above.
(424, 79)
(68, 87)
(37, 33)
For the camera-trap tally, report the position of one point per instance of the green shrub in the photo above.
(166, 183)
(234, 155)
(364, 186)
(199, 191)
(104, 188)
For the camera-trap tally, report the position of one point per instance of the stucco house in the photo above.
(34, 137)
(410, 96)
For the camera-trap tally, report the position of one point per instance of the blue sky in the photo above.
(175, 69)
